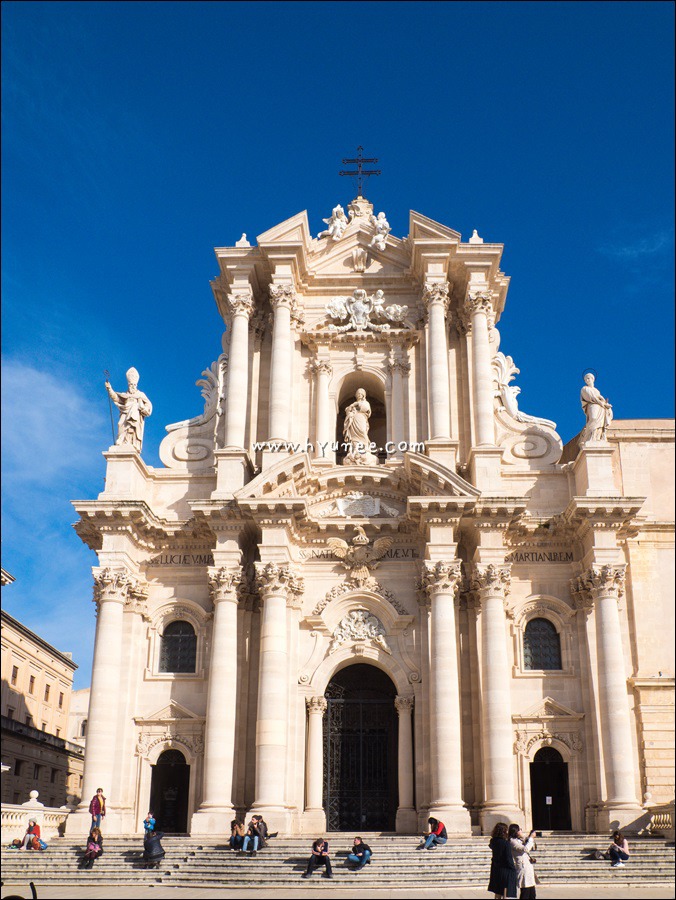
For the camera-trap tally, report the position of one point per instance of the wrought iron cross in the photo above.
(361, 172)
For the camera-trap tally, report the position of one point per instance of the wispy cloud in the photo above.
(52, 439)
(648, 245)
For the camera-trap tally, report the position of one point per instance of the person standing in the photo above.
(525, 873)
(618, 850)
(360, 854)
(502, 881)
(319, 857)
(97, 808)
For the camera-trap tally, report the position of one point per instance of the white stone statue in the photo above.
(598, 411)
(356, 432)
(134, 408)
(382, 229)
(337, 224)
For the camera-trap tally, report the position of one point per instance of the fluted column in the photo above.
(219, 739)
(397, 369)
(316, 707)
(479, 311)
(283, 300)
(325, 427)
(241, 307)
(406, 814)
(111, 592)
(441, 580)
(604, 585)
(275, 584)
(435, 297)
(492, 585)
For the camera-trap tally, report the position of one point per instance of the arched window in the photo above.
(178, 650)
(541, 645)
(83, 728)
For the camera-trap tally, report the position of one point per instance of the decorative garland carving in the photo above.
(359, 625)
(345, 588)
(525, 741)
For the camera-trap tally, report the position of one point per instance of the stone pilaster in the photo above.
(491, 583)
(441, 580)
(219, 744)
(325, 426)
(407, 818)
(603, 585)
(398, 368)
(283, 301)
(436, 300)
(241, 307)
(314, 817)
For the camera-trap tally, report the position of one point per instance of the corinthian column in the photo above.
(441, 580)
(111, 592)
(283, 300)
(492, 584)
(325, 430)
(435, 297)
(479, 310)
(275, 584)
(219, 743)
(316, 707)
(605, 585)
(406, 814)
(241, 307)
(398, 368)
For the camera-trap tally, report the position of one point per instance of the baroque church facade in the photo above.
(365, 587)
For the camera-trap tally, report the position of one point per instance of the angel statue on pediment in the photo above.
(382, 229)
(337, 224)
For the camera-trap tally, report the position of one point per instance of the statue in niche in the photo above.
(382, 229)
(598, 411)
(134, 409)
(337, 224)
(356, 432)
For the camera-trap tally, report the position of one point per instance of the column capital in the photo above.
(321, 367)
(442, 577)
(491, 581)
(284, 296)
(436, 293)
(316, 705)
(116, 585)
(477, 302)
(403, 705)
(240, 303)
(274, 579)
(599, 581)
(223, 583)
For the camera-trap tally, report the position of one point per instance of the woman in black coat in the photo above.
(503, 871)
(153, 852)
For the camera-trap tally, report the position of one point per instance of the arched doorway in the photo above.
(169, 792)
(360, 751)
(550, 797)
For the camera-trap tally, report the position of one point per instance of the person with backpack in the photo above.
(31, 839)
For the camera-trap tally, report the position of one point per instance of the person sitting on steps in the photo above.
(94, 848)
(319, 857)
(434, 836)
(252, 838)
(618, 850)
(360, 855)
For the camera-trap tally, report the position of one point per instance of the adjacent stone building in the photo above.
(37, 681)
(366, 587)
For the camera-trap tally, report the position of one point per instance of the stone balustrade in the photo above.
(15, 818)
(662, 820)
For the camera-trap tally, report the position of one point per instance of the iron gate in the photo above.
(360, 754)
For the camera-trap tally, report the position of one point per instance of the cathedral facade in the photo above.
(365, 587)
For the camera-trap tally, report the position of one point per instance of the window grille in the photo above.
(178, 650)
(541, 645)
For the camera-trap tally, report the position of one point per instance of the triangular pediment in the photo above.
(337, 258)
(547, 708)
(171, 711)
(423, 229)
(293, 230)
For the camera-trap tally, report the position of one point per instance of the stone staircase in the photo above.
(196, 862)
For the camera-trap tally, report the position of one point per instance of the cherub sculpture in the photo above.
(359, 559)
(337, 224)
(382, 229)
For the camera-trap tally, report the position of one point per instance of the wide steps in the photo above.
(197, 862)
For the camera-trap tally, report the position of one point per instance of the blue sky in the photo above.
(138, 136)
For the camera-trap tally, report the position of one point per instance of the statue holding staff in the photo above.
(134, 408)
